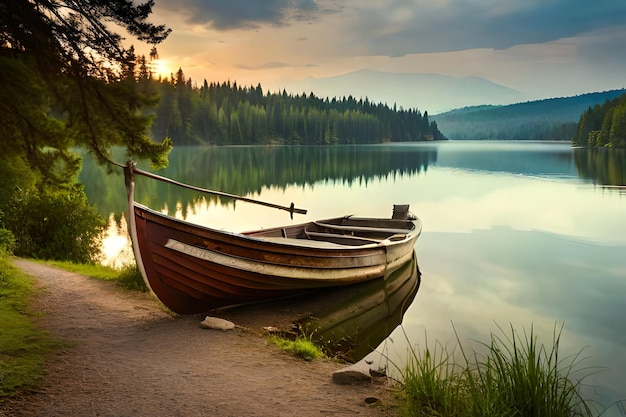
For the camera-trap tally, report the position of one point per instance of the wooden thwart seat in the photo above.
(364, 229)
(349, 239)
(322, 243)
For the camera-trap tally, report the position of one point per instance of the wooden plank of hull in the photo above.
(203, 269)
(163, 228)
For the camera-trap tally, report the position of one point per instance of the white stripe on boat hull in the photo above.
(272, 269)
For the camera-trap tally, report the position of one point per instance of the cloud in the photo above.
(525, 45)
(403, 27)
(604, 46)
(400, 27)
(241, 14)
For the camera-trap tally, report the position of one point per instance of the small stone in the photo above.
(351, 375)
(217, 324)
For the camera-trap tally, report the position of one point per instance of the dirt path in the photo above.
(133, 359)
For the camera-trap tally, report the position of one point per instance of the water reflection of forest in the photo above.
(603, 166)
(247, 170)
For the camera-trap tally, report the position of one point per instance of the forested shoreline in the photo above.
(603, 125)
(230, 114)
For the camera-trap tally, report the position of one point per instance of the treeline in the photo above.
(603, 125)
(229, 114)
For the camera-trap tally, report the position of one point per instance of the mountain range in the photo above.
(432, 93)
(549, 119)
(463, 107)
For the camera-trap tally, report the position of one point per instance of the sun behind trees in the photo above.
(67, 81)
(64, 84)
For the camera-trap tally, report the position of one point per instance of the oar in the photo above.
(291, 209)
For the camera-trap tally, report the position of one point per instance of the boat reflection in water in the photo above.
(356, 319)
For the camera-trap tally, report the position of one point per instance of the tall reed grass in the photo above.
(511, 375)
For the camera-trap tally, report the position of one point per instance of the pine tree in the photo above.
(65, 82)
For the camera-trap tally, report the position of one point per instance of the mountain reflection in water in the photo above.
(352, 321)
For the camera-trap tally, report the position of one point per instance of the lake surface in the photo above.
(521, 234)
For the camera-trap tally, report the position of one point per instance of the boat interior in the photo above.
(346, 231)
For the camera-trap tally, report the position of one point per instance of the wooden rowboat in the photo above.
(192, 268)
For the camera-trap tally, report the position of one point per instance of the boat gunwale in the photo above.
(290, 243)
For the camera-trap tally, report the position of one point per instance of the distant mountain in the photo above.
(433, 93)
(550, 119)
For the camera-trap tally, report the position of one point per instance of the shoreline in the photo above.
(130, 357)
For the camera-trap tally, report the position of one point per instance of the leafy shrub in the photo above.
(7, 241)
(55, 224)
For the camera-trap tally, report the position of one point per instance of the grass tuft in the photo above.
(130, 278)
(431, 382)
(512, 375)
(301, 347)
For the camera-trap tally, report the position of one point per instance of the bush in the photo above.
(55, 224)
(7, 241)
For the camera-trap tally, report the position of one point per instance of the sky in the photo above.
(540, 48)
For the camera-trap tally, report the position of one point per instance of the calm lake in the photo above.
(521, 234)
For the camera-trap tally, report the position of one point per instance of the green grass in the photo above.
(432, 383)
(511, 375)
(23, 346)
(301, 347)
(127, 277)
(91, 270)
